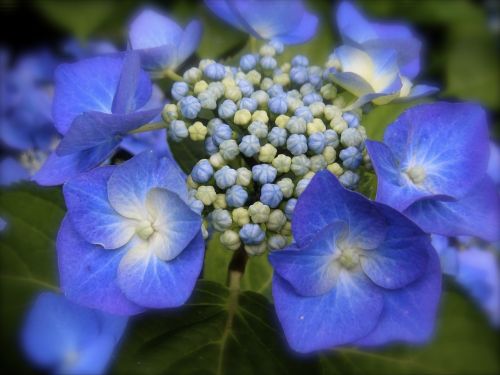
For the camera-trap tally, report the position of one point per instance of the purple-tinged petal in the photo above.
(224, 10)
(151, 282)
(353, 83)
(305, 31)
(402, 257)
(91, 213)
(476, 214)
(335, 318)
(58, 169)
(353, 27)
(151, 29)
(131, 181)
(418, 92)
(324, 201)
(88, 273)
(311, 270)
(189, 42)
(11, 171)
(93, 359)
(93, 129)
(409, 313)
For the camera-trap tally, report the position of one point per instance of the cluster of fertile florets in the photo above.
(267, 129)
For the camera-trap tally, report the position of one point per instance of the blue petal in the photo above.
(189, 42)
(55, 328)
(402, 257)
(151, 282)
(11, 171)
(88, 273)
(418, 92)
(90, 85)
(353, 27)
(336, 318)
(131, 181)
(93, 129)
(58, 169)
(174, 221)
(353, 83)
(311, 270)
(476, 214)
(324, 201)
(305, 31)
(386, 71)
(409, 313)
(157, 58)
(225, 10)
(93, 359)
(91, 213)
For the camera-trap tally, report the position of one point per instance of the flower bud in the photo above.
(245, 87)
(197, 131)
(217, 160)
(318, 163)
(202, 171)
(242, 117)
(335, 168)
(331, 138)
(207, 100)
(251, 234)
(254, 250)
(230, 239)
(236, 196)
(233, 93)
(304, 113)
(267, 153)
(267, 50)
(190, 107)
(317, 109)
(227, 109)
(271, 195)
(275, 90)
(282, 121)
(351, 157)
(332, 112)
(312, 97)
(282, 163)
(259, 212)
(316, 143)
(248, 62)
(276, 242)
(316, 126)
(298, 75)
(191, 183)
(229, 149)
(351, 137)
(249, 145)
(225, 177)
(221, 133)
(241, 216)
(328, 91)
(177, 130)
(286, 186)
(200, 86)
(268, 62)
(179, 90)
(300, 165)
(192, 75)
(260, 116)
(290, 207)
(297, 144)
(282, 79)
(329, 154)
(338, 124)
(296, 125)
(287, 229)
(254, 78)
(259, 129)
(170, 113)
(276, 220)
(216, 88)
(220, 220)
(220, 201)
(244, 176)
(264, 173)
(206, 194)
(214, 71)
(210, 146)
(301, 186)
(278, 105)
(248, 103)
(349, 179)
(277, 136)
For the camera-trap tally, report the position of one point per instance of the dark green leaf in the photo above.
(220, 331)
(258, 275)
(368, 184)
(27, 257)
(217, 259)
(187, 153)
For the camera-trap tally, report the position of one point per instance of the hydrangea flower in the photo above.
(129, 240)
(97, 101)
(432, 167)
(67, 338)
(360, 273)
(161, 42)
(285, 21)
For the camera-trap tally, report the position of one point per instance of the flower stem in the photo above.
(149, 127)
(253, 44)
(169, 73)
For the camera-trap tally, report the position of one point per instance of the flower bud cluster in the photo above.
(267, 128)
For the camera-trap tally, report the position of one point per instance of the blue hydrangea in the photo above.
(299, 75)
(222, 132)
(300, 60)
(264, 173)
(248, 62)
(275, 90)
(251, 234)
(249, 145)
(316, 142)
(297, 144)
(350, 253)
(331, 138)
(215, 71)
(351, 157)
(236, 196)
(277, 137)
(227, 109)
(312, 97)
(225, 177)
(202, 171)
(278, 105)
(179, 90)
(349, 179)
(248, 103)
(271, 195)
(210, 146)
(190, 107)
(245, 87)
(305, 113)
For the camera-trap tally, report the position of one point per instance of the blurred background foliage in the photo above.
(461, 56)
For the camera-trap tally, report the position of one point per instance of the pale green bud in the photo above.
(242, 117)
(220, 201)
(192, 75)
(217, 160)
(256, 249)
(267, 153)
(197, 131)
(282, 163)
(191, 183)
(228, 82)
(318, 163)
(309, 175)
(286, 67)
(204, 63)
(276, 242)
(286, 186)
(266, 83)
(329, 154)
(276, 220)
(260, 116)
(230, 239)
(287, 229)
(336, 169)
(332, 112)
(316, 126)
(267, 50)
(170, 113)
(300, 165)
(259, 212)
(301, 186)
(253, 77)
(233, 93)
(281, 121)
(317, 109)
(328, 91)
(339, 101)
(200, 86)
(293, 103)
(229, 149)
(338, 124)
(282, 79)
(243, 176)
(240, 216)
(206, 194)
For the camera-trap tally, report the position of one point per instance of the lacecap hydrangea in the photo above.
(267, 127)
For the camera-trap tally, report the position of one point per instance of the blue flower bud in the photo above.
(264, 173)
(227, 109)
(229, 149)
(316, 79)
(248, 62)
(261, 97)
(305, 113)
(221, 133)
(351, 157)
(210, 146)
(251, 234)
(179, 90)
(300, 60)
(351, 137)
(215, 71)
(277, 45)
(312, 97)
(300, 165)
(351, 119)
(301, 186)
(299, 75)
(271, 195)
(331, 138)
(190, 107)
(297, 144)
(258, 128)
(307, 88)
(225, 177)
(207, 100)
(316, 142)
(248, 103)
(275, 90)
(296, 125)
(236, 196)
(216, 88)
(276, 242)
(178, 130)
(277, 136)
(249, 145)
(202, 171)
(278, 105)
(220, 219)
(268, 62)
(294, 94)
(349, 179)
(290, 207)
(212, 124)
(196, 205)
(245, 87)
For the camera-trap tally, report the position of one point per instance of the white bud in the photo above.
(243, 176)
(230, 239)
(259, 212)
(217, 160)
(240, 216)
(206, 194)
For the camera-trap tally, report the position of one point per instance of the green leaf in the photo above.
(217, 259)
(220, 331)
(368, 184)
(27, 257)
(187, 153)
(80, 18)
(258, 275)
(464, 344)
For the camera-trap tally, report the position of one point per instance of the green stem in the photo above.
(149, 127)
(169, 73)
(253, 44)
